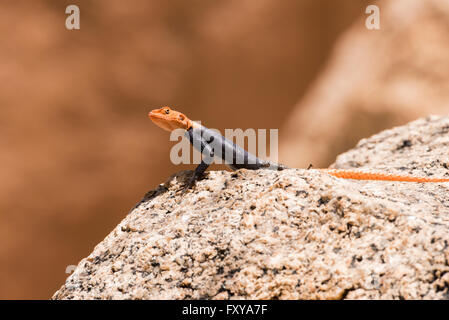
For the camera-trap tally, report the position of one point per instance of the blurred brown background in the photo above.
(77, 150)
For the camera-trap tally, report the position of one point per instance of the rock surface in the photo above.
(294, 234)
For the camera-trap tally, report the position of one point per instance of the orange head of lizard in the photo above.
(169, 119)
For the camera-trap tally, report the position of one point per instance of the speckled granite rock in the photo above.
(294, 234)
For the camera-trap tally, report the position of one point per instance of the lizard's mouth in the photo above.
(153, 115)
(158, 118)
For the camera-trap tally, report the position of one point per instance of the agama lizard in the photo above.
(210, 143)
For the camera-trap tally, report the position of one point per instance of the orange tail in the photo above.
(360, 175)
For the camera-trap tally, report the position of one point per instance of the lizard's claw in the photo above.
(191, 182)
(197, 175)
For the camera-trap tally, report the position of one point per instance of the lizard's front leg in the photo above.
(197, 174)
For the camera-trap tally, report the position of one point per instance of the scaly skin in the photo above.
(169, 120)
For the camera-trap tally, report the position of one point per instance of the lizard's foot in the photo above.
(273, 166)
(197, 175)
(282, 167)
(191, 181)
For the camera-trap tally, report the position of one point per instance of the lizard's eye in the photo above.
(181, 117)
(167, 111)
